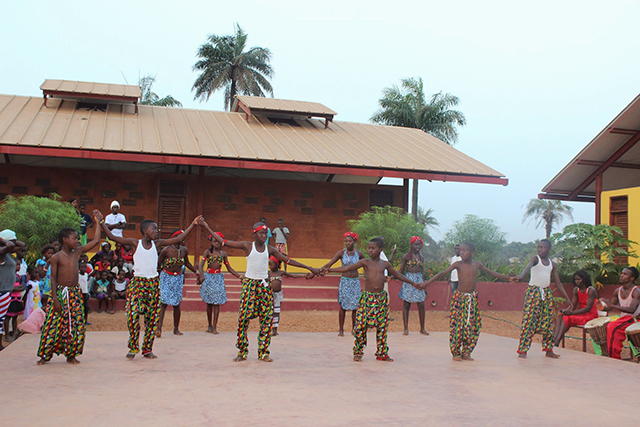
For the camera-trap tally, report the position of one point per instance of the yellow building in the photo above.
(606, 172)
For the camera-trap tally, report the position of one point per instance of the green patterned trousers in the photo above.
(464, 323)
(537, 318)
(256, 300)
(64, 332)
(372, 312)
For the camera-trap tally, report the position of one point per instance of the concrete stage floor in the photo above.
(313, 381)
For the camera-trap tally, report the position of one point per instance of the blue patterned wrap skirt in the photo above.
(212, 290)
(171, 288)
(410, 294)
(349, 293)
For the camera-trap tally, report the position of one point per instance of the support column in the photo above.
(405, 194)
(200, 209)
(598, 199)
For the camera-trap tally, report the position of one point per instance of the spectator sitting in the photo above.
(120, 266)
(105, 249)
(102, 291)
(33, 325)
(103, 264)
(119, 288)
(126, 253)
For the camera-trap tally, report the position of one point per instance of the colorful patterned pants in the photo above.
(143, 298)
(616, 335)
(64, 332)
(5, 299)
(537, 318)
(465, 323)
(256, 301)
(372, 312)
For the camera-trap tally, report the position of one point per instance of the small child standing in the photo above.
(212, 288)
(102, 291)
(373, 310)
(120, 286)
(83, 282)
(64, 327)
(465, 321)
(275, 281)
(32, 295)
(44, 267)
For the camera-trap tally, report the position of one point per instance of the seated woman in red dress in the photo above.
(584, 299)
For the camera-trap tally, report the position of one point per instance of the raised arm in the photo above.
(96, 235)
(333, 260)
(121, 240)
(6, 247)
(494, 274)
(180, 237)
(229, 243)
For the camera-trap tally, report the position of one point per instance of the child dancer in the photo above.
(537, 315)
(413, 263)
(172, 258)
(373, 309)
(584, 297)
(212, 289)
(64, 327)
(349, 288)
(465, 321)
(256, 299)
(143, 295)
(275, 281)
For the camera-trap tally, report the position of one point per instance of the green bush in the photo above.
(393, 223)
(37, 220)
(483, 233)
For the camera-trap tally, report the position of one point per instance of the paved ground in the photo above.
(313, 381)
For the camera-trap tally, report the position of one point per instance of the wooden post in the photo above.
(598, 199)
(200, 209)
(405, 194)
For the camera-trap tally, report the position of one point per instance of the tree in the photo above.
(482, 232)
(224, 63)
(151, 98)
(407, 107)
(592, 248)
(393, 223)
(547, 212)
(426, 218)
(37, 220)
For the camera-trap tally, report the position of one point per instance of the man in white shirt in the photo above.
(115, 221)
(453, 279)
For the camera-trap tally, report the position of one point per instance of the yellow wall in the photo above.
(633, 210)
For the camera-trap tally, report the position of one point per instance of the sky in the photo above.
(536, 81)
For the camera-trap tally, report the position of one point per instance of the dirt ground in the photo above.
(501, 323)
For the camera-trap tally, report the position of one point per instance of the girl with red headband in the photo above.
(349, 288)
(171, 261)
(275, 281)
(412, 265)
(256, 299)
(212, 288)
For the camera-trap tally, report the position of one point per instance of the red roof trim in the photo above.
(247, 164)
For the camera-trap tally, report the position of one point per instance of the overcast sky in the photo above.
(536, 81)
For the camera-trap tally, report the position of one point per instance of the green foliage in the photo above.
(522, 251)
(483, 233)
(37, 220)
(151, 98)
(591, 248)
(426, 218)
(547, 212)
(223, 62)
(393, 223)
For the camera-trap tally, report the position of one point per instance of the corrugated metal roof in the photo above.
(25, 121)
(615, 144)
(91, 88)
(284, 105)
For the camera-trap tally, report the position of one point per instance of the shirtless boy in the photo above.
(465, 321)
(373, 309)
(256, 299)
(64, 327)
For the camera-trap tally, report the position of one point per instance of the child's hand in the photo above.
(196, 220)
(56, 305)
(309, 276)
(324, 271)
(200, 221)
(97, 215)
(514, 279)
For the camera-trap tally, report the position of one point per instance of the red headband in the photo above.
(351, 234)
(177, 233)
(274, 259)
(217, 233)
(261, 227)
(416, 238)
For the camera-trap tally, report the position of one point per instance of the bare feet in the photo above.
(73, 360)
(384, 358)
(130, 356)
(99, 311)
(212, 330)
(274, 333)
(177, 332)
(424, 332)
(467, 357)
(240, 358)
(159, 333)
(552, 355)
(265, 358)
(457, 358)
(42, 361)
(111, 312)
(522, 355)
(150, 356)
(341, 333)
(405, 332)
(357, 358)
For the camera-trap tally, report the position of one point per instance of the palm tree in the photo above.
(151, 98)
(224, 63)
(426, 218)
(549, 212)
(407, 107)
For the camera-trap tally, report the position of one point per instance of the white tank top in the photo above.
(145, 261)
(541, 274)
(257, 263)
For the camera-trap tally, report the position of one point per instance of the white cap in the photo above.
(114, 203)
(8, 234)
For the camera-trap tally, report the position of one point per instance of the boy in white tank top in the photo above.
(256, 292)
(143, 295)
(537, 315)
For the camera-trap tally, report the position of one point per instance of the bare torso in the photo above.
(467, 275)
(66, 266)
(374, 278)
